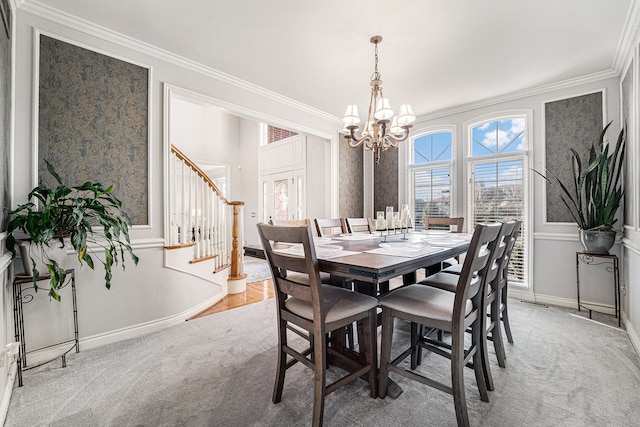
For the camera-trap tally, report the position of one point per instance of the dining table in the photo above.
(370, 260)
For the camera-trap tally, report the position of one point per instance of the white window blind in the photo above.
(498, 195)
(431, 193)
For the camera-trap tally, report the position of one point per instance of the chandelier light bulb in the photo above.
(383, 109)
(351, 116)
(406, 116)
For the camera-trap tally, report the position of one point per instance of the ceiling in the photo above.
(435, 54)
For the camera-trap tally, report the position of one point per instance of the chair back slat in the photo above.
(511, 241)
(500, 252)
(291, 222)
(359, 225)
(476, 263)
(329, 227)
(273, 237)
(439, 223)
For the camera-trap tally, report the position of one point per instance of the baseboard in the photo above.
(130, 332)
(632, 333)
(6, 393)
(542, 299)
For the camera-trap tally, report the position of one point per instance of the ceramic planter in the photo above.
(41, 255)
(598, 242)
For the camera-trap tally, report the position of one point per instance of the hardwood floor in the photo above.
(256, 291)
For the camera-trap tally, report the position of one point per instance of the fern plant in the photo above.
(595, 194)
(84, 214)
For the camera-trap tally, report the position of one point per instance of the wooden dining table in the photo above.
(372, 260)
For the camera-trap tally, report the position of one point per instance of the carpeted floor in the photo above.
(218, 370)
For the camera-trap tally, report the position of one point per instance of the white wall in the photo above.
(552, 265)
(247, 175)
(147, 294)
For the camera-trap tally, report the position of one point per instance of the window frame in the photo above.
(411, 167)
(527, 162)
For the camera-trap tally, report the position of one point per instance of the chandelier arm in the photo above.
(405, 134)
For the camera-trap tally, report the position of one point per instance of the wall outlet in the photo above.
(623, 289)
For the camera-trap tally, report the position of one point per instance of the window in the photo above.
(430, 175)
(497, 185)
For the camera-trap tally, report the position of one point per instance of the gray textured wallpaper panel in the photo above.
(93, 122)
(386, 181)
(626, 93)
(351, 180)
(569, 123)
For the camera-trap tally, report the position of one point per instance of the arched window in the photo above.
(429, 172)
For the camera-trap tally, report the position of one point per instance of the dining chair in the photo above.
(319, 310)
(449, 282)
(290, 222)
(326, 278)
(438, 223)
(442, 223)
(329, 227)
(499, 312)
(360, 225)
(452, 312)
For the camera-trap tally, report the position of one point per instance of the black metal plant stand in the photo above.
(611, 262)
(23, 295)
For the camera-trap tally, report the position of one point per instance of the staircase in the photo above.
(204, 227)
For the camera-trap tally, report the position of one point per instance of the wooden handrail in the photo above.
(180, 155)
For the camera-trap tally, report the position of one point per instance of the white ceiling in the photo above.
(435, 54)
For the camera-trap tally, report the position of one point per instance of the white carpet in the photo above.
(219, 370)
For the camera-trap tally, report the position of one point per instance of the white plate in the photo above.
(409, 247)
(446, 243)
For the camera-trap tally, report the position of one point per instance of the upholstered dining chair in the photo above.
(329, 227)
(319, 310)
(499, 312)
(452, 312)
(449, 282)
(359, 225)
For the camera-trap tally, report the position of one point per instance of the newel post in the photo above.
(237, 280)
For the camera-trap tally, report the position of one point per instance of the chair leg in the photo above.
(415, 348)
(457, 378)
(385, 352)
(496, 336)
(282, 362)
(505, 322)
(483, 352)
(370, 334)
(480, 362)
(319, 386)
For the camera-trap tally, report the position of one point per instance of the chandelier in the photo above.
(381, 130)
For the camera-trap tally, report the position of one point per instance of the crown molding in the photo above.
(537, 90)
(47, 12)
(629, 37)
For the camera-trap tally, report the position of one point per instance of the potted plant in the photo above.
(595, 194)
(74, 216)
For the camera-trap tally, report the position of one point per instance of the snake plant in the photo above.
(595, 194)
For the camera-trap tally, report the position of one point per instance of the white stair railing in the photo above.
(201, 216)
